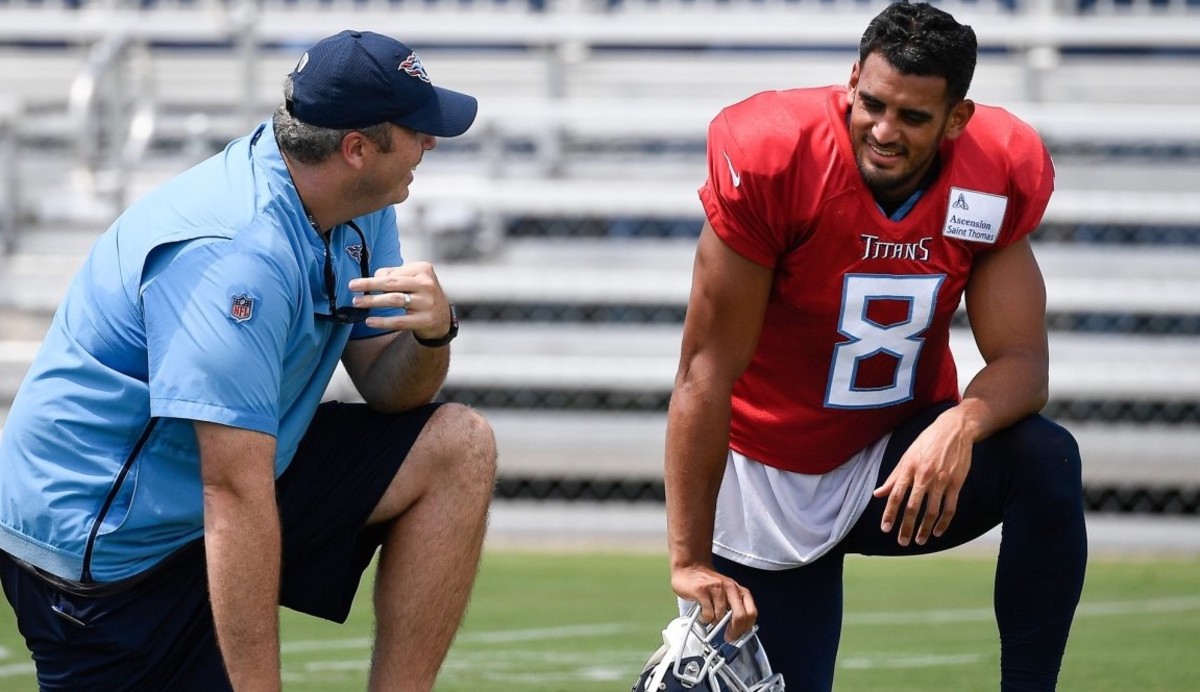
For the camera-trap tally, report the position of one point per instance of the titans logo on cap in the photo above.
(412, 65)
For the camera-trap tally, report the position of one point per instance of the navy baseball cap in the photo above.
(357, 79)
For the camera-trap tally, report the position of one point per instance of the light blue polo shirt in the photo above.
(201, 302)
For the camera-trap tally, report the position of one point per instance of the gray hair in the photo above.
(311, 144)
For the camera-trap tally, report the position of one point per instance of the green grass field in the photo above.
(584, 622)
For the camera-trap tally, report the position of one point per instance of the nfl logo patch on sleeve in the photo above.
(241, 307)
(974, 216)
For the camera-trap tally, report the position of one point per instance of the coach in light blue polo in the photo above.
(169, 474)
(99, 468)
(99, 472)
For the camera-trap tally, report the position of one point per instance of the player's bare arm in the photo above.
(1006, 304)
(725, 312)
(393, 372)
(242, 542)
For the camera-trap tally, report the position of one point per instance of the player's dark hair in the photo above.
(919, 39)
(311, 144)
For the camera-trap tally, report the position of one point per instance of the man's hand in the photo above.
(414, 287)
(391, 371)
(931, 473)
(716, 594)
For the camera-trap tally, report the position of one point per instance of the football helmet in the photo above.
(695, 657)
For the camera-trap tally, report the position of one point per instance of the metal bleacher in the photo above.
(564, 223)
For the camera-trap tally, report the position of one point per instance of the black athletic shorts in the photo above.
(155, 631)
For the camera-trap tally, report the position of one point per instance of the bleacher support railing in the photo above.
(9, 192)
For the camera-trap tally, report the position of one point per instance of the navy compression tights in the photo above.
(1026, 477)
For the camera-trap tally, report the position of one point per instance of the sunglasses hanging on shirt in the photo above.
(344, 314)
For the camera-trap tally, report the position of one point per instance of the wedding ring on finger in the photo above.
(407, 300)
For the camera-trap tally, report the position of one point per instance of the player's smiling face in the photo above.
(897, 122)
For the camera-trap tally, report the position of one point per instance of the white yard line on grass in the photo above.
(495, 637)
(572, 631)
(12, 670)
(908, 661)
(1101, 609)
(9, 670)
(913, 617)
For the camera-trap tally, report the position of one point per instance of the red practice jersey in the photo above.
(856, 334)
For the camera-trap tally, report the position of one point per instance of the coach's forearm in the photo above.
(405, 375)
(242, 542)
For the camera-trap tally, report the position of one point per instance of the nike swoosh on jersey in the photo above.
(733, 174)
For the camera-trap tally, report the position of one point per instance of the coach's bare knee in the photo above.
(465, 445)
(454, 455)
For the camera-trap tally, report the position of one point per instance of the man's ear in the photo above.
(854, 71)
(960, 115)
(353, 149)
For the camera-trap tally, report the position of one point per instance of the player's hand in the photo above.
(716, 594)
(414, 287)
(927, 481)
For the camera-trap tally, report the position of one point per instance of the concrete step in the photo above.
(1161, 279)
(643, 358)
(20, 325)
(630, 446)
(579, 525)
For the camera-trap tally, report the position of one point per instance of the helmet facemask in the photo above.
(695, 657)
